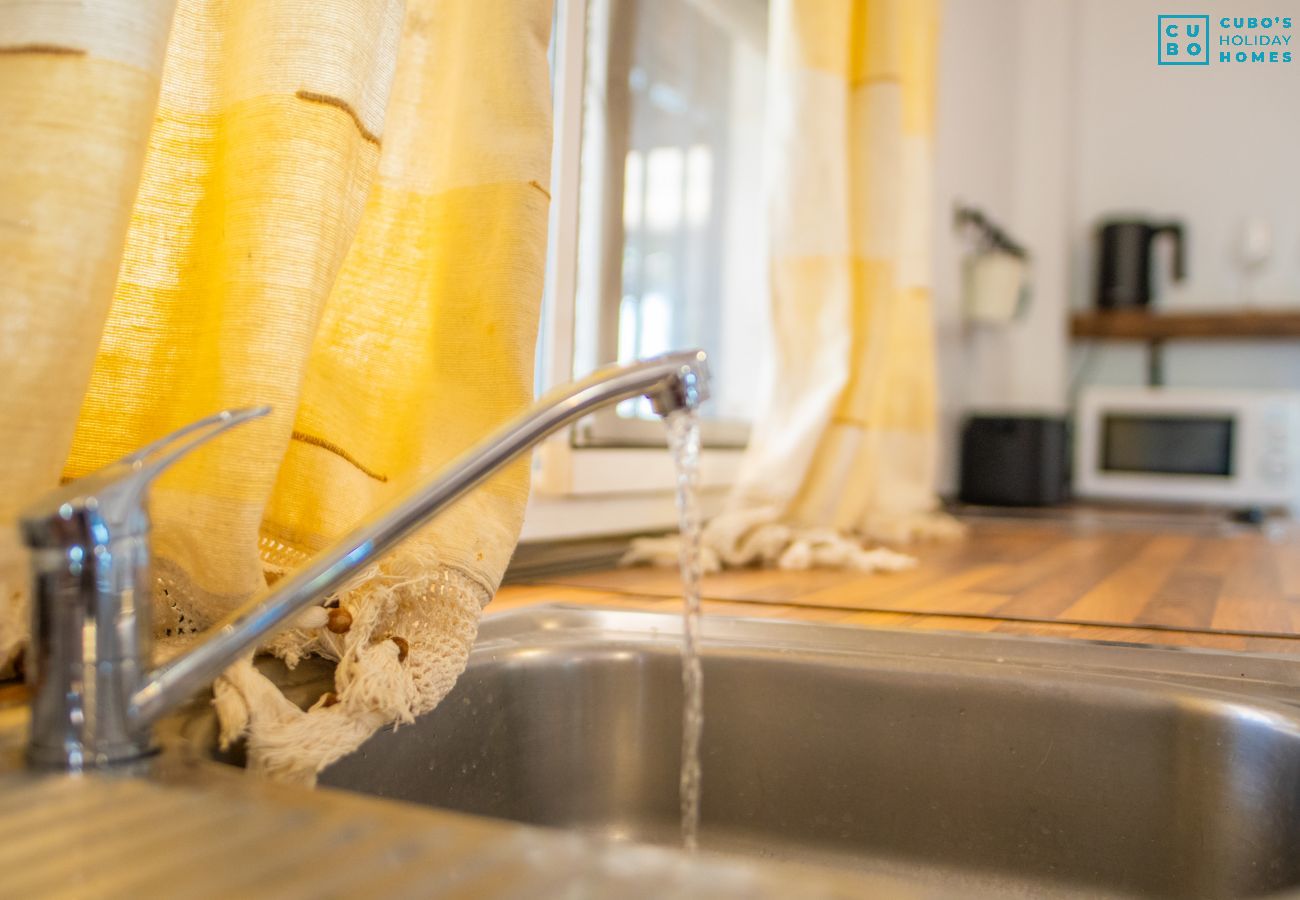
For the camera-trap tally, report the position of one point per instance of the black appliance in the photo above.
(1014, 461)
(1124, 261)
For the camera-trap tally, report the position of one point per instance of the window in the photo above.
(657, 243)
(670, 241)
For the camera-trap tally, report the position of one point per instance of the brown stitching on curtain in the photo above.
(46, 49)
(538, 185)
(340, 103)
(337, 451)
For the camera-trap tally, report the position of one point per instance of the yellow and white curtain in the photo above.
(847, 448)
(335, 208)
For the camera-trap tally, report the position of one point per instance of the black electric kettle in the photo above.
(1124, 273)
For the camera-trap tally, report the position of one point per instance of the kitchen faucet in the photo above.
(95, 698)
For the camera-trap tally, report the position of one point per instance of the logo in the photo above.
(1186, 41)
(1183, 40)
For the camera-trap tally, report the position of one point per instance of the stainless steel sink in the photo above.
(1016, 766)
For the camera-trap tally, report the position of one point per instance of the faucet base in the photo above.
(79, 758)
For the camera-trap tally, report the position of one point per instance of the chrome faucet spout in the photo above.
(78, 654)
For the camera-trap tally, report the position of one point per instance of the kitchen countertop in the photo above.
(1177, 580)
(1232, 589)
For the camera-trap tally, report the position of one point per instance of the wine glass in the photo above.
(1253, 250)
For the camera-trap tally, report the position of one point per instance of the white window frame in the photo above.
(582, 490)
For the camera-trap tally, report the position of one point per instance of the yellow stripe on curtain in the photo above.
(342, 213)
(847, 447)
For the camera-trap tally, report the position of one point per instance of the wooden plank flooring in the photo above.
(1234, 589)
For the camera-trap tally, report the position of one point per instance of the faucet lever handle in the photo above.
(115, 494)
(91, 621)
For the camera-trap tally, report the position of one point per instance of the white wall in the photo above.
(1003, 144)
(1211, 146)
(975, 118)
(1053, 115)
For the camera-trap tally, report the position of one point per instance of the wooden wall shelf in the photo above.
(1137, 325)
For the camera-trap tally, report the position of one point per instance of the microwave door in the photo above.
(1200, 446)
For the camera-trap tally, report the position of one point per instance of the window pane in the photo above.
(671, 248)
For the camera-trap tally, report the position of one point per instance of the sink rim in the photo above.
(1269, 676)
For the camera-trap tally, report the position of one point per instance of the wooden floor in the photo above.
(1155, 584)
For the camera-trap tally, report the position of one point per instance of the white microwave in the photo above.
(1178, 445)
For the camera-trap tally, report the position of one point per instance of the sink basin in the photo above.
(968, 763)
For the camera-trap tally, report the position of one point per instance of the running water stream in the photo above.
(684, 444)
